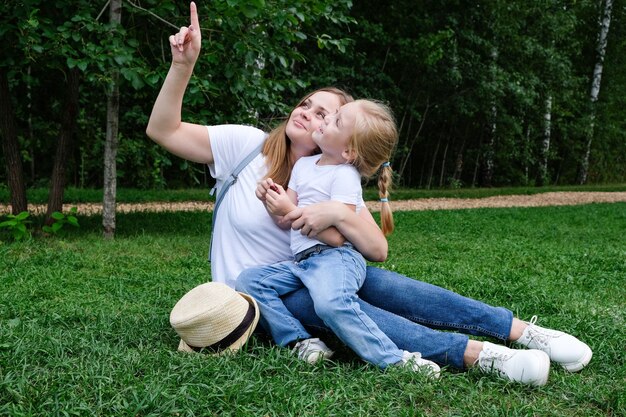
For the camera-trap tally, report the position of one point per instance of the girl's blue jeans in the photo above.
(412, 313)
(332, 276)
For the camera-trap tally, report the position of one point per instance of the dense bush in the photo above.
(469, 83)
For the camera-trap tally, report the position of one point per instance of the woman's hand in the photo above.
(314, 219)
(359, 229)
(185, 44)
(187, 140)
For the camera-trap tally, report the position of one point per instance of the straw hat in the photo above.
(214, 316)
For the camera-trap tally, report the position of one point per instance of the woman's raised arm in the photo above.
(165, 127)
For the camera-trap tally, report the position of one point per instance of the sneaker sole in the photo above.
(580, 364)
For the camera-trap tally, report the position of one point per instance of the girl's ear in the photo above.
(349, 155)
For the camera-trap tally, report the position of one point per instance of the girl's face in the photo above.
(309, 116)
(333, 136)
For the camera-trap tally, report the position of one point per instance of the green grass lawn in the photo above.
(84, 324)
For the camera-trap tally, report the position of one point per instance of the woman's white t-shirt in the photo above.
(245, 235)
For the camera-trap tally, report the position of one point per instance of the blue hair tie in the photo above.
(386, 164)
(384, 200)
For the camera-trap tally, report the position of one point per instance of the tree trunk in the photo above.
(110, 147)
(458, 164)
(527, 153)
(542, 177)
(415, 138)
(423, 166)
(432, 165)
(477, 162)
(11, 148)
(489, 152)
(68, 124)
(605, 23)
(443, 163)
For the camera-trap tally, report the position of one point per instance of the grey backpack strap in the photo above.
(230, 180)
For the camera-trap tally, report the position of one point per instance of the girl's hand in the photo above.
(185, 44)
(277, 201)
(262, 188)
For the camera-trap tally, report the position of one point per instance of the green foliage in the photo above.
(248, 59)
(450, 70)
(84, 328)
(244, 75)
(60, 220)
(16, 225)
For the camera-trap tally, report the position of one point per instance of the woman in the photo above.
(244, 228)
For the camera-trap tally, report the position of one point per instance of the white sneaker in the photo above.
(562, 348)
(312, 350)
(415, 361)
(525, 366)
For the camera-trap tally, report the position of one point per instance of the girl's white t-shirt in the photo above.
(245, 235)
(315, 183)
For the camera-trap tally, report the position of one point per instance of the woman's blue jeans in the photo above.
(332, 276)
(413, 313)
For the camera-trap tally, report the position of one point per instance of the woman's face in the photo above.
(309, 116)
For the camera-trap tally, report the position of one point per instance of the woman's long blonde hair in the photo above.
(277, 146)
(372, 144)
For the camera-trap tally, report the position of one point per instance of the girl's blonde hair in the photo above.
(372, 144)
(277, 146)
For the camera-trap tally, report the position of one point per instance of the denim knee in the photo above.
(329, 308)
(247, 280)
(324, 309)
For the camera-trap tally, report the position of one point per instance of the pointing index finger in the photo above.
(193, 15)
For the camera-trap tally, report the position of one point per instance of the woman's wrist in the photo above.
(344, 214)
(182, 69)
(338, 213)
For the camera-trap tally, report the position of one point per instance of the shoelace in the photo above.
(303, 349)
(493, 360)
(411, 357)
(540, 335)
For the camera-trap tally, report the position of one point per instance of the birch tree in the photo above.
(110, 147)
(605, 23)
(489, 151)
(542, 177)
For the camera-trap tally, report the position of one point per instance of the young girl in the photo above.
(355, 142)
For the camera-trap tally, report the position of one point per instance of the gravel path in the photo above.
(535, 200)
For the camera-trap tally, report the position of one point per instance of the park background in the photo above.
(488, 94)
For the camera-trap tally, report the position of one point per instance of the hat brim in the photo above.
(184, 347)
